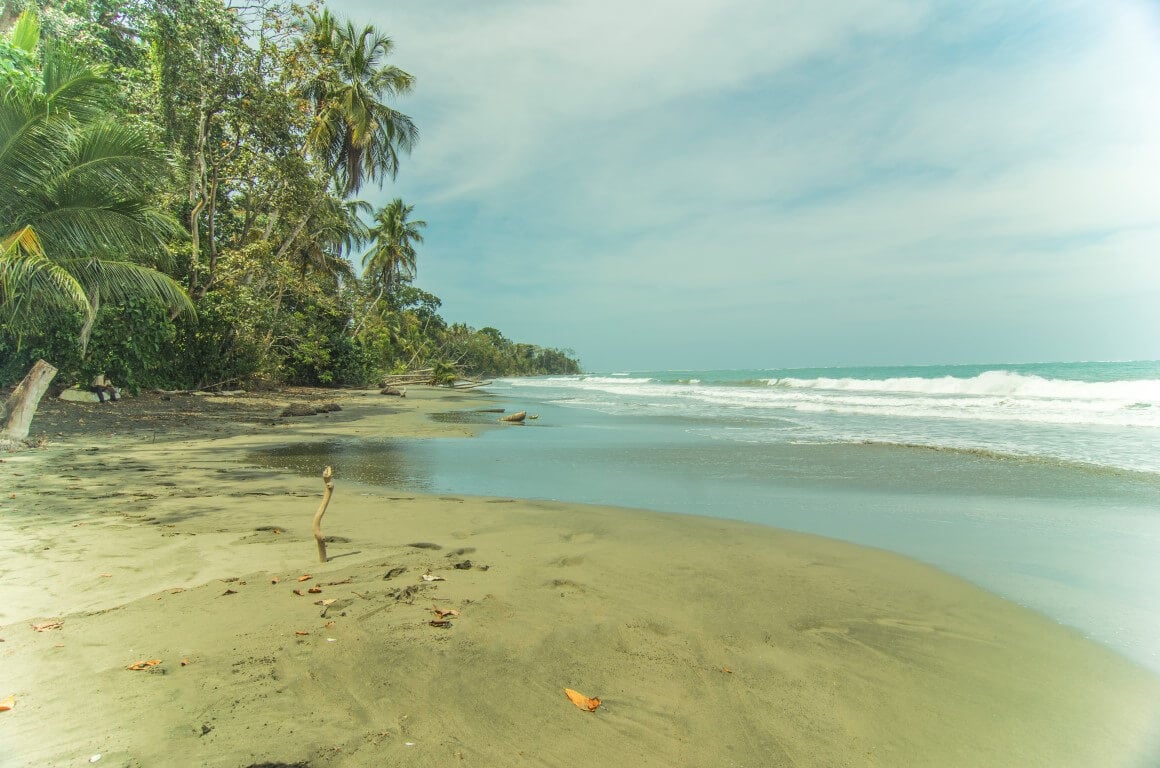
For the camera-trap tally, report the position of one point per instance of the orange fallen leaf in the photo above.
(140, 665)
(301, 632)
(314, 590)
(441, 613)
(305, 577)
(582, 701)
(726, 670)
(47, 625)
(7, 704)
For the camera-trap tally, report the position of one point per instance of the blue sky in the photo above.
(758, 183)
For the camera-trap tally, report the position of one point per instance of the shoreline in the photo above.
(710, 641)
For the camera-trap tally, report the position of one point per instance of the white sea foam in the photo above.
(993, 396)
(1113, 423)
(1002, 383)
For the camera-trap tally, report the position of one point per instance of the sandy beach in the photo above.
(138, 534)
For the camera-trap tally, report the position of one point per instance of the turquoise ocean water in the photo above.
(1040, 482)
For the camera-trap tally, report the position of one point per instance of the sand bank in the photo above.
(710, 643)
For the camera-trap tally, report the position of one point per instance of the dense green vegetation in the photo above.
(179, 205)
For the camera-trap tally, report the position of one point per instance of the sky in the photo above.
(763, 183)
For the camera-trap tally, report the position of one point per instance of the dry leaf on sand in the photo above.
(140, 665)
(7, 704)
(314, 590)
(582, 701)
(429, 577)
(443, 613)
(47, 625)
(305, 577)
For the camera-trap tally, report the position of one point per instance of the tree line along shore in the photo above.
(181, 205)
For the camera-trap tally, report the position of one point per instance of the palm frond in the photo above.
(122, 280)
(25, 34)
(32, 285)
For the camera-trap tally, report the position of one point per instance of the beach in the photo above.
(139, 532)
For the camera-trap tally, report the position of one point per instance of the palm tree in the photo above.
(76, 219)
(335, 231)
(391, 257)
(354, 131)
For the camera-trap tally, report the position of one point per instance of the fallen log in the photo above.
(471, 385)
(515, 418)
(401, 381)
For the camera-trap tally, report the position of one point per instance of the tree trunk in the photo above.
(87, 328)
(21, 404)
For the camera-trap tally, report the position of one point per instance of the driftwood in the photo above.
(471, 384)
(402, 381)
(421, 376)
(327, 474)
(21, 404)
(515, 418)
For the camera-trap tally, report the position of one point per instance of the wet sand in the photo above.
(710, 643)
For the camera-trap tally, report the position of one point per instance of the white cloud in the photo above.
(744, 156)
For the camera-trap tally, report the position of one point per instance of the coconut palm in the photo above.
(335, 231)
(393, 235)
(354, 131)
(76, 220)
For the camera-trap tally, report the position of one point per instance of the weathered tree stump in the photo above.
(21, 404)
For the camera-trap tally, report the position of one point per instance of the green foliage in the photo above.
(128, 345)
(76, 216)
(147, 147)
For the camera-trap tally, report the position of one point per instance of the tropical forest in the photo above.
(181, 202)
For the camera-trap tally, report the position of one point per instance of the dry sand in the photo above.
(710, 643)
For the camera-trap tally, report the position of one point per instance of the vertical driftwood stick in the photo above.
(327, 474)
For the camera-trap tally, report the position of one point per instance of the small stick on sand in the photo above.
(327, 474)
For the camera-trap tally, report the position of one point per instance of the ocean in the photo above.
(1039, 482)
